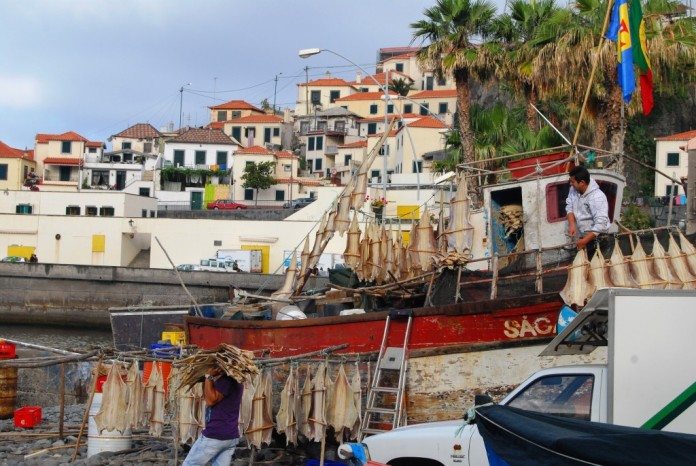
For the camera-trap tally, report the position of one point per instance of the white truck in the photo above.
(649, 379)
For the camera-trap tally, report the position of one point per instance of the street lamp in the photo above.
(181, 102)
(306, 53)
(275, 88)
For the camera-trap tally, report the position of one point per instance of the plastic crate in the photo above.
(175, 338)
(27, 417)
(7, 350)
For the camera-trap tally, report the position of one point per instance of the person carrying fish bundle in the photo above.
(223, 397)
(586, 207)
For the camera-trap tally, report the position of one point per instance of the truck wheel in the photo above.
(216, 208)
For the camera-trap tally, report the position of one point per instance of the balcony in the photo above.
(331, 150)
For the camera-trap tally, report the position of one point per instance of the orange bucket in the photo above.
(165, 369)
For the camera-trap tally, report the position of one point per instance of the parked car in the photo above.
(225, 204)
(298, 203)
(188, 267)
(13, 259)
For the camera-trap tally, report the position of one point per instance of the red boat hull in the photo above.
(453, 327)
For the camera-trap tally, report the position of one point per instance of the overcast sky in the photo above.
(97, 67)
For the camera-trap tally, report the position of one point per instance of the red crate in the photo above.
(27, 417)
(7, 350)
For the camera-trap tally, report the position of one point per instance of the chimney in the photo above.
(358, 77)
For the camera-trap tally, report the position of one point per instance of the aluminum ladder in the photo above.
(385, 399)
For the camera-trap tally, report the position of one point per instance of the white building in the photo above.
(671, 158)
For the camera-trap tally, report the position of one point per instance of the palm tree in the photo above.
(450, 28)
(401, 86)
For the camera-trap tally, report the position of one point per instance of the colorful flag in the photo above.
(640, 54)
(620, 33)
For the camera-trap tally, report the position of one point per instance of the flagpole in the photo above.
(610, 4)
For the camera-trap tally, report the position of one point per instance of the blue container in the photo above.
(164, 350)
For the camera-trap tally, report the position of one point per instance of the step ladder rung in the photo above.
(374, 431)
(386, 389)
(381, 411)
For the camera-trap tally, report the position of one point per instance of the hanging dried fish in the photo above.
(352, 252)
(261, 425)
(134, 390)
(343, 217)
(661, 266)
(679, 265)
(247, 403)
(341, 413)
(690, 251)
(356, 388)
(112, 413)
(156, 383)
(389, 264)
(304, 258)
(396, 255)
(286, 419)
(288, 287)
(423, 248)
(306, 403)
(619, 269)
(359, 193)
(317, 415)
(236, 363)
(199, 407)
(599, 272)
(331, 218)
(641, 267)
(375, 261)
(460, 232)
(577, 289)
(315, 254)
(187, 421)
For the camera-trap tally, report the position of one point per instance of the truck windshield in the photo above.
(560, 395)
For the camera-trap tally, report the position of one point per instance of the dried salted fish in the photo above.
(112, 413)
(304, 258)
(356, 388)
(389, 264)
(661, 266)
(599, 272)
(677, 260)
(156, 381)
(375, 261)
(286, 419)
(317, 414)
(247, 403)
(577, 288)
(343, 217)
(134, 385)
(619, 269)
(317, 247)
(641, 267)
(460, 233)
(359, 193)
(424, 247)
(200, 407)
(306, 402)
(341, 413)
(352, 253)
(236, 363)
(261, 426)
(187, 414)
(690, 251)
(289, 283)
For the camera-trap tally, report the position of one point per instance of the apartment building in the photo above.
(671, 158)
(252, 130)
(321, 94)
(59, 159)
(233, 109)
(15, 166)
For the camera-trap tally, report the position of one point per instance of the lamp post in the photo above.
(181, 102)
(306, 53)
(275, 89)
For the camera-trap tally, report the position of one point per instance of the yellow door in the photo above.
(265, 254)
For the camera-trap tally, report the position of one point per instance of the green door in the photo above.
(196, 200)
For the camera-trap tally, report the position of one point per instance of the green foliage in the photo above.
(641, 145)
(634, 218)
(258, 176)
(401, 86)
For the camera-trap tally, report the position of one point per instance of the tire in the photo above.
(238, 207)
(216, 208)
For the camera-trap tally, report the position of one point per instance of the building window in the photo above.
(317, 164)
(64, 173)
(287, 168)
(417, 167)
(373, 109)
(320, 143)
(340, 126)
(333, 95)
(200, 157)
(315, 97)
(237, 133)
(236, 114)
(280, 195)
(221, 115)
(276, 132)
(72, 210)
(372, 128)
(347, 158)
(321, 125)
(441, 81)
(424, 109)
(668, 190)
(364, 89)
(3, 171)
(91, 211)
(304, 127)
(66, 147)
(147, 147)
(152, 214)
(400, 67)
(248, 163)
(221, 159)
(390, 108)
(673, 159)
(126, 146)
(145, 192)
(106, 211)
(143, 213)
(178, 158)
(408, 108)
(248, 194)
(429, 83)
(267, 135)
(310, 143)
(92, 150)
(442, 108)
(384, 150)
(24, 209)
(374, 174)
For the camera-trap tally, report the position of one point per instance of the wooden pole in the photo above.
(539, 273)
(494, 281)
(85, 417)
(61, 417)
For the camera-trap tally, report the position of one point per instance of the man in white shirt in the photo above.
(586, 206)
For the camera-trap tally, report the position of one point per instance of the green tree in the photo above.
(450, 27)
(401, 86)
(258, 176)
(265, 105)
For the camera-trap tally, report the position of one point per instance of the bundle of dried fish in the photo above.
(359, 193)
(154, 401)
(317, 247)
(304, 257)
(511, 217)
(389, 264)
(355, 386)
(641, 267)
(112, 413)
(619, 269)
(662, 268)
(200, 407)
(690, 251)
(375, 261)
(286, 290)
(134, 390)
(460, 232)
(677, 260)
(286, 419)
(187, 409)
(599, 272)
(352, 252)
(424, 247)
(317, 414)
(453, 259)
(261, 426)
(236, 363)
(396, 254)
(577, 289)
(343, 217)
(247, 403)
(306, 405)
(341, 411)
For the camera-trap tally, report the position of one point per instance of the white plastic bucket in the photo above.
(107, 440)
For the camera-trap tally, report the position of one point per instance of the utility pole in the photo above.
(181, 102)
(306, 88)
(386, 127)
(275, 89)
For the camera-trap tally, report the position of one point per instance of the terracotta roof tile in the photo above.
(402, 49)
(437, 94)
(217, 124)
(257, 119)
(203, 136)
(427, 122)
(392, 134)
(67, 136)
(236, 105)
(685, 136)
(354, 145)
(380, 78)
(285, 154)
(378, 119)
(323, 82)
(254, 150)
(139, 131)
(402, 56)
(364, 96)
(7, 152)
(62, 161)
(96, 144)
(304, 181)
